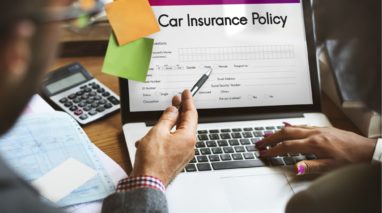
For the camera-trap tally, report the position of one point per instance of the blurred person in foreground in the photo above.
(28, 43)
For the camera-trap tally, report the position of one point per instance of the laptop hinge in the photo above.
(242, 118)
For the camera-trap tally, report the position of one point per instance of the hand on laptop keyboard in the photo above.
(228, 148)
(333, 147)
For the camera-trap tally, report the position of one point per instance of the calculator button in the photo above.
(87, 108)
(82, 104)
(73, 108)
(95, 86)
(83, 87)
(113, 100)
(63, 100)
(90, 100)
(93, 112)
(85, 96)
(72, 96)
(105, 94)
(78, 112)
(103, 101)
(83, 117)
(92, 93)
(77, 100)
(94, 105)
(101, 90)
(97, 97)
(68, 104)
(88, 90)
(100, 109)
(79, 93)
(108, 105)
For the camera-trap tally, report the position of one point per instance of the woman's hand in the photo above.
(333, 147)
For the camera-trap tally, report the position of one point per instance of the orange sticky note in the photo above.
(87, 4)
(131, 20)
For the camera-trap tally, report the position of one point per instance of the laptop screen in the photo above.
(257, 50)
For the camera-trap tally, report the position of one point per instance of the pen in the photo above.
(198, 85)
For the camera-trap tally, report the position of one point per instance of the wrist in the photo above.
(148, 173)
(140, 182)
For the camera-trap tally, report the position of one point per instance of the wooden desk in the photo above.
(107, 133)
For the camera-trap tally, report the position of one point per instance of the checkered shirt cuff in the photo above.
(131, 183)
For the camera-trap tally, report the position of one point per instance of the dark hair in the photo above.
(14, 10)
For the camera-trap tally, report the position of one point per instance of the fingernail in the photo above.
(300, 169)
(172, 109)
(287, 124)
(267, 134)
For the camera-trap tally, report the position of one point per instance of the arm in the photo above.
(160, 156)
(333, 147)
(137, 200)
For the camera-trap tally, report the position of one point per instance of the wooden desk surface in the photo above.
(107, 133)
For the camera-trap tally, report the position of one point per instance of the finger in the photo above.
(314, 166)
(189, 117)
(287, 124)
(291, 146)
(305, 127)
(176, 100)
(287, 133)
(168, 119)
(137, 143)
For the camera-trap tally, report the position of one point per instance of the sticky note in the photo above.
(131, 19)
(130, 61)
(87, 4)
(62, 180)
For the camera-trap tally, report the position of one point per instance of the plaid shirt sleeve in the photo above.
(131, 183)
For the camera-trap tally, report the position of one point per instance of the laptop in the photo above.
(264, 74)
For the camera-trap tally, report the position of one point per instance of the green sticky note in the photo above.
(130, 61)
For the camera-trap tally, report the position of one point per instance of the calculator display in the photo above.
(66, 82)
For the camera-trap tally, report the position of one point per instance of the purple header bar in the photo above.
(216, 2)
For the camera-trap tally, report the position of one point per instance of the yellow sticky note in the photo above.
(131, 20)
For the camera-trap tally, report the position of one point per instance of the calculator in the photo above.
(74, 90)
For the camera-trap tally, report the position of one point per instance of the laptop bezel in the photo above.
(243, 113)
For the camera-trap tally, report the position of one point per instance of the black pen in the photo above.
(198, 85)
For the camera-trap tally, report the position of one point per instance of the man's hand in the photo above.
(163, 153)
(333, 147)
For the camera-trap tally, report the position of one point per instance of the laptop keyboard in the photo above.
(218, 149)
